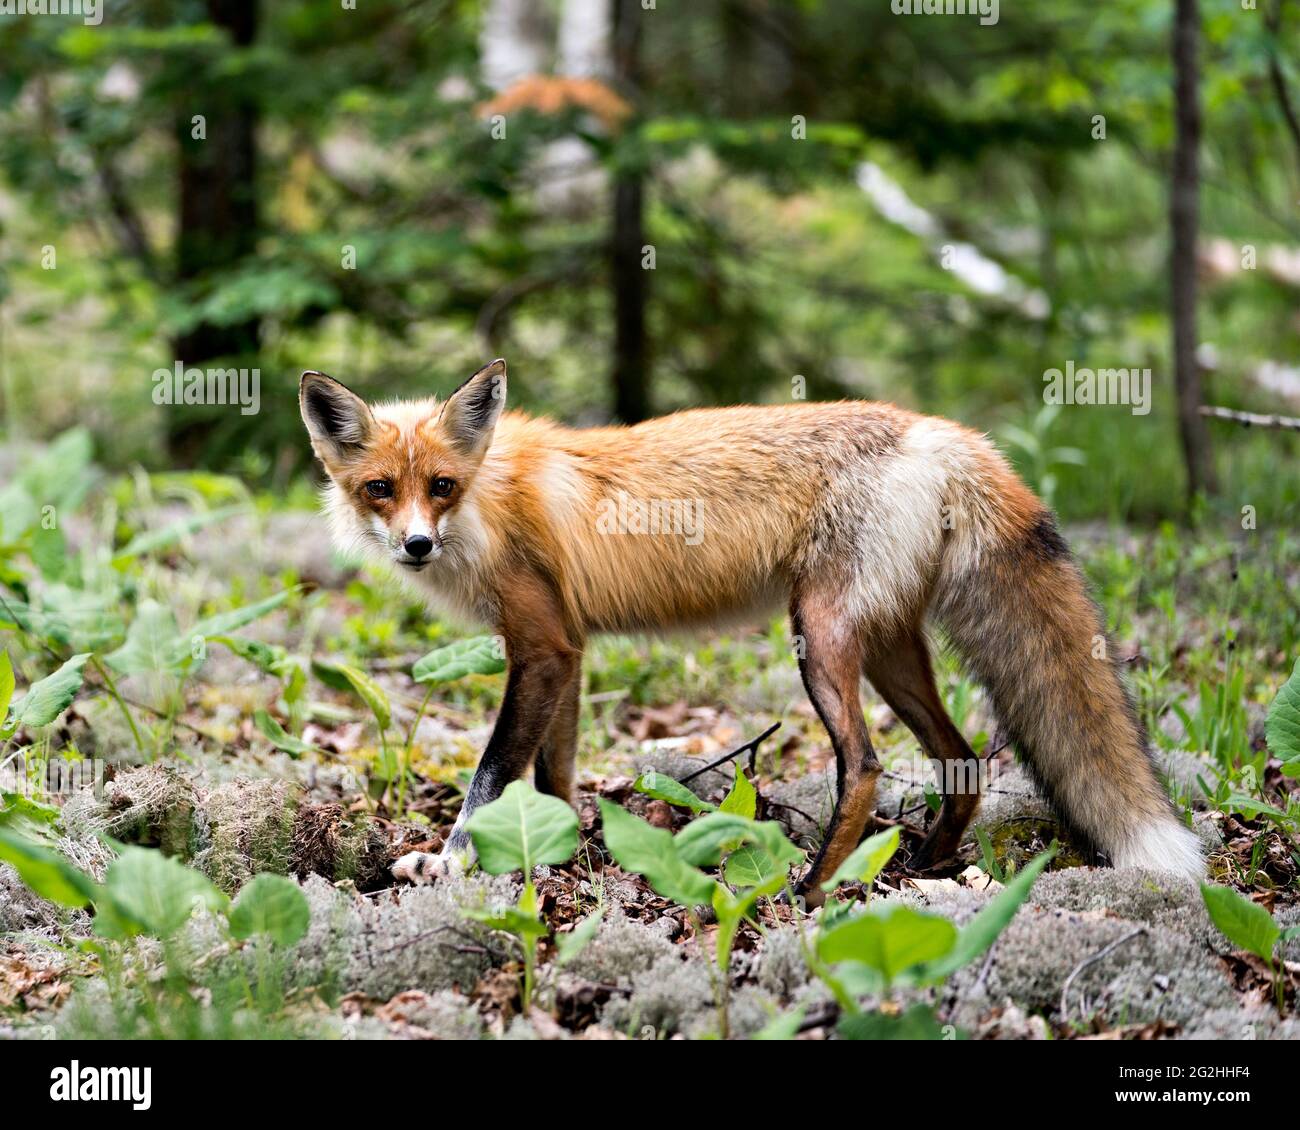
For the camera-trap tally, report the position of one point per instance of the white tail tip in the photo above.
(1166, 846)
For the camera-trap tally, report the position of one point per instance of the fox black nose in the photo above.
(418, 546)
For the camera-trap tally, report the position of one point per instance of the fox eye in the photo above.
(379, 488)
(443, 486)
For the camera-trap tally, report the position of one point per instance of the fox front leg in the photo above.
(539, 678)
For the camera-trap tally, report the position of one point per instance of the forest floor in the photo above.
(1205, 628)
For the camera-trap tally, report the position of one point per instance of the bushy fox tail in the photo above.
(1016, 608)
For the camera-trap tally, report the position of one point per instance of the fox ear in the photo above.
(337, 419)
(472, 411)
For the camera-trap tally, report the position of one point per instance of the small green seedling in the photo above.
(754, 858)
(1250, 926)
(516, 832)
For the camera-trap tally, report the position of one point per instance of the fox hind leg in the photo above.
(831, 666)
(902, 676)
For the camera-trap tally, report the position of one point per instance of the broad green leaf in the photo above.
(665, 788)
(72, 618)
(1244, 923)
(153, 644)
(46, 872)
(151, 893)
(1282, 729)
(889, 939)
(705, 841)
(751, 865)
(650, 853)
(568, 946)
(343, 676)
(276, 735)
(28, 818)
(742, 800)
(521, 829)
(172, 533)
(481, 655)
(983, 930)
(47, 699)
(271, 905)
(866, 861)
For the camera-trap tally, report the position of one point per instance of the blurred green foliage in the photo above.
(771, 263)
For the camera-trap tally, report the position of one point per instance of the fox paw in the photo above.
(420, 867)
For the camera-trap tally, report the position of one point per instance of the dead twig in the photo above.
(1252, 419)
(749, 745)
(1088, 962)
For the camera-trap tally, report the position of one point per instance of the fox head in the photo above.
(399, 472)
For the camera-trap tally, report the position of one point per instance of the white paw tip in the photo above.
(418, 867)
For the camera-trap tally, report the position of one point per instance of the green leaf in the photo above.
(28, 818)
(511, 919)
(742, 800)
(172, 533)
(343, 676)
(6, 684)
(866, 861)
(917, 1023)
(153, 643)
(271, 905)
(1244, 923)
(276, 735)
(150, 893)
(889, 939)
(50, 552)
(46, 872)
(782, 1026)
(481, 655)
(665, 788)
(983, 930)
(521, 829)
(1282, 728)
(266, 657)
(650, 853)
(753, 866)
(1249, 807)
(568, 946)
(705, 841)
(223, 623)
(47, 699)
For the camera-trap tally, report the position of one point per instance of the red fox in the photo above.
(866, 520)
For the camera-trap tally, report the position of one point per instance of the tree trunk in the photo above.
(218, 213)
(1183, 204)
(628, 277)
